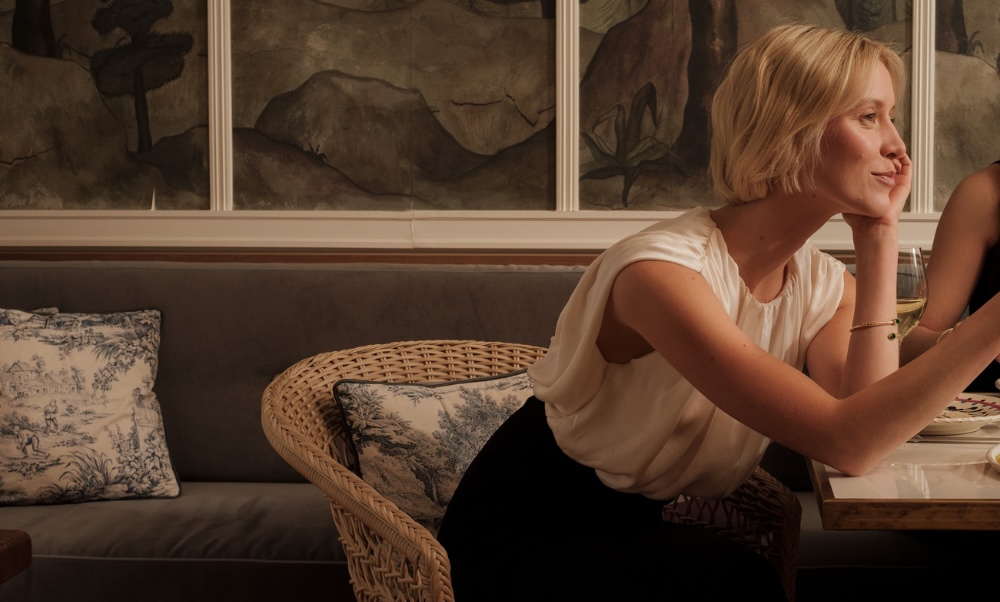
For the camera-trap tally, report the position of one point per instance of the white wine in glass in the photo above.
(911, 288)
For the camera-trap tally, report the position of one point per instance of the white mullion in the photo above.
(220, 107)
(922, 108)
(567, 105)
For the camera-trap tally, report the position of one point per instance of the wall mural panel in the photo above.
(388, 105)
(431, 104)
(966, 92)
(104, 104)
(652, 73)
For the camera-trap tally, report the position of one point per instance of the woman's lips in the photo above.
(888, 177)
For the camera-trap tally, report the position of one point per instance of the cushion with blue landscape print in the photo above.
(79, 420)
(414, 441)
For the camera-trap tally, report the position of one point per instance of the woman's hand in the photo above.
(897, 199)
(901, 191)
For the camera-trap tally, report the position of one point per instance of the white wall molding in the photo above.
(492, 230)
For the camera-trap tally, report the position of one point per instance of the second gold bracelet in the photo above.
(943, 334)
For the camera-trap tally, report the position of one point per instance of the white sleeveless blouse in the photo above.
(640, 425)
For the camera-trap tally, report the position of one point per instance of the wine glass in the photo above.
(911, 288)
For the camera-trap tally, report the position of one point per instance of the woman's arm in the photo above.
(968, 229)
(846, 356)
(674, 309)
(872, 352)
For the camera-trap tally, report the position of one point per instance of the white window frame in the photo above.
(565, 228)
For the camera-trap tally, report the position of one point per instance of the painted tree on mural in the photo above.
(951, 33)
(140, 62)
(713, 43)
(860, 15)
(868, 15)
(31, 28)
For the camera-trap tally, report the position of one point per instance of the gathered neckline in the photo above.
(790, 270)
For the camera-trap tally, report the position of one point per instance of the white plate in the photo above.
(967, 413)
(994, 457)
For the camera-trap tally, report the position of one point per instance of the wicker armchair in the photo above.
(389, 555)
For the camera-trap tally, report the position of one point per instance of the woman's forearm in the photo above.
(873, 351)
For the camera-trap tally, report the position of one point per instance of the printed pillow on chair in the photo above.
(78, 417)
(414, 441)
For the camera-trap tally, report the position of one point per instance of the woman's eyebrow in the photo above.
(874, 102)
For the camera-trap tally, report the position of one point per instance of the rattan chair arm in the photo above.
(381, 542)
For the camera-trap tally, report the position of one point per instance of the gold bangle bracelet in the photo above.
(943, 334)
(872, 324)
(891, 336)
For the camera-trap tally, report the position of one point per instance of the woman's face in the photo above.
(861, 151)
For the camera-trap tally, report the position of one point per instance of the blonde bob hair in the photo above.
(776, 99)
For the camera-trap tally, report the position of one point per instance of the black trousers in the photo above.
(529, 523)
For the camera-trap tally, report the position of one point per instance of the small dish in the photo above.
(967, 413)
(994, 457)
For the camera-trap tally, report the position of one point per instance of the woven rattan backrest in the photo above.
(389, 555)
(305, 398)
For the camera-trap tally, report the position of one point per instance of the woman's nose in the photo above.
(894, 145)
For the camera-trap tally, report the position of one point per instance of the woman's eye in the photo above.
(869, 117)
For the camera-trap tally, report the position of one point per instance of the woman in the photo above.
(680, 355)
(965, 270)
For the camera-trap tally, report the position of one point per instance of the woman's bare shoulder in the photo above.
(974, 205)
